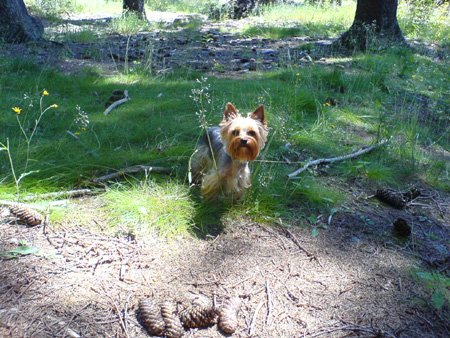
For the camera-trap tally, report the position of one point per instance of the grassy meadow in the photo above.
(54, 136)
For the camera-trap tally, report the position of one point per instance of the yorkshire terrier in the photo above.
(221, 160)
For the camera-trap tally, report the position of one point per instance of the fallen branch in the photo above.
(374, 332)
(253, 322)
(68, 194)
(133, 170)
(334, 159)
(269, 303)
(9, 203)
(117, 103)
(295, 240)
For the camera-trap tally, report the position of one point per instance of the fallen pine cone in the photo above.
(391, 197)
(228, 320)
(173, 327)
(198, 316)
(151, 317)
(26, 214)
(402, 227)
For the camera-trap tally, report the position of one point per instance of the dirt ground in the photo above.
(355, 279)
(352, 280)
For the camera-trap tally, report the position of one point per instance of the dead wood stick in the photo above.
(117, 103)
(121, 321)
(2, 202)
(295, 240)
(269, 303)
(334, 159)
(355, 328)
(68, 194)
(132, 170)
(255, 314)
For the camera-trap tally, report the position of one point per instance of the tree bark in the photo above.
(375, 25)
(16, 25)
(243, 8)
(135, 7)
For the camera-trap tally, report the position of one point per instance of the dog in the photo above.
(220, 162)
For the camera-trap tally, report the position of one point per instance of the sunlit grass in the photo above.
(303, 12)
(150, 207)
(315, 110)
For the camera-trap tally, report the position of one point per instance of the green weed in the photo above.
(438, 284)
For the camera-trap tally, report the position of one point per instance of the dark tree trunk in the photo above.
(16, 26)
(135, 7)
(243, 8)
(375, 24)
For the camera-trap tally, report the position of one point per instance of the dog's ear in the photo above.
(230, 112)
(259, 115)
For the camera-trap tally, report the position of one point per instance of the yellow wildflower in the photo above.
(45, 92)
(17, 110)
(54, 105)
(83, 129)
(77, 133)
(413, 76)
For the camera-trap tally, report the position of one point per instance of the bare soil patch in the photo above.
(353, 280)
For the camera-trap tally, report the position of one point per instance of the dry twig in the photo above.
(255, 314)
(334, 159)
(295, 240)
(132, 170)
(117, 103)
(67, 194)
(269, 303)
(375, 332)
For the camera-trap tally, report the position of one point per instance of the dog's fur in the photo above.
(221, 160)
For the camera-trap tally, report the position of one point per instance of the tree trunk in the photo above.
(375, 25)
(243, 8)
(135, 7)
(16, 26)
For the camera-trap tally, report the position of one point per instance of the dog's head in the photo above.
(243, 137)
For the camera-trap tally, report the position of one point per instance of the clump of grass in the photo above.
(82, 36)
(186, 6)
(150, 207)
(128, 24)
(316, 193)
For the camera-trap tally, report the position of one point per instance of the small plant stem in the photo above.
(12, 165)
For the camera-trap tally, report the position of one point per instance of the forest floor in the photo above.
(355, 279)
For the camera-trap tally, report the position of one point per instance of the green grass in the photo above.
(150, 207)
(314, 110)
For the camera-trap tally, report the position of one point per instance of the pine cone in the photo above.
(151, 317)
(391, 197)
(402, 227)
(228, 321)
(29, 216)
(174, 329)
(198, 316)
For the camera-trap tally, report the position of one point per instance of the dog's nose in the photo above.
(244, 141)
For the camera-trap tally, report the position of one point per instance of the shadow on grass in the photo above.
(208, 217)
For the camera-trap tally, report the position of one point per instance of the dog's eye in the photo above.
(235, 132)
(251, 133)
